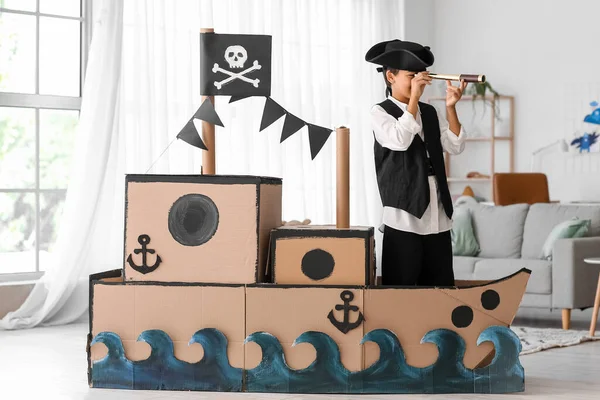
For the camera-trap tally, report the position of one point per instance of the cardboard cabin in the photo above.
(199, 228)
(322, 255)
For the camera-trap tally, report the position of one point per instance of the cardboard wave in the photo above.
(326, 374)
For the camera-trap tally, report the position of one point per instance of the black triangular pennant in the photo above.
(317, 137)
(207, 113)
(291, 125)
(233, 99)
(271, 113)
(190, 135)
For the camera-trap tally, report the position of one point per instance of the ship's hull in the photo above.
(309, 339)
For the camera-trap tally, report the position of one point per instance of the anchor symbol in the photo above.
(345, 326)
(144, 268)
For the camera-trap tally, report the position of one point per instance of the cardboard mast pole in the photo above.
(343, 177)
(208, 134)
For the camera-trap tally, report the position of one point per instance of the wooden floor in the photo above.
(50, 363)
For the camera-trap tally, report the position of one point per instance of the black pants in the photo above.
(410, 259)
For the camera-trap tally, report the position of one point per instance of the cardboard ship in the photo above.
(216, 294)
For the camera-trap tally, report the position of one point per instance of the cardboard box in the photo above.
(199, 228)
(287, 312)
(128, 309)
(322, 255)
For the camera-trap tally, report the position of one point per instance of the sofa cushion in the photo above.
(543, 217)
(540, 281)
(464, 267)
(569, 229)
(464, 242)
(499, 229)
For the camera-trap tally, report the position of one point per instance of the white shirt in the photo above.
(398, 134)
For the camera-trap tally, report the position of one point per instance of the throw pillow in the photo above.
(464, 242)
(569, 229)
(468, 200)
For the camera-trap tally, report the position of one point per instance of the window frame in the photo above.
(39, 102)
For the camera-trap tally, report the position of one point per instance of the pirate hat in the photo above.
(399, 54)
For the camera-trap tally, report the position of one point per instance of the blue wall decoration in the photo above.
(589, 138)
(585, 142)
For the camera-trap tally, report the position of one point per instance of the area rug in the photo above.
(538, 339)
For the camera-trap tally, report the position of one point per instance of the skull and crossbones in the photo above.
(236, 56)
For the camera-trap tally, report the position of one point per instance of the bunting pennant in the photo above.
(291, 125)
(271, 113)
(317, 137)
(240, 66)
(190, 135)
(207, 113)
(233, 99)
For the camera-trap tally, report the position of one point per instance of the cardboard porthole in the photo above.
(193, 219)
(317, 264)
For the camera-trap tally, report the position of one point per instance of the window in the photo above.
(43, 45)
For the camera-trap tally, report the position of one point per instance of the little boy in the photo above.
(409, 161)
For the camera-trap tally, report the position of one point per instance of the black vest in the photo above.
(402, 176)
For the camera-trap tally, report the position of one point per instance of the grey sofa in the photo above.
(511, 237)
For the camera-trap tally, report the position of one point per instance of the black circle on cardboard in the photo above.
(462, 316)
(317, 264)
(193, 219)
(490, 299)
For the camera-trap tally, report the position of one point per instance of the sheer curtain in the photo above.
(86, 238)
(136, 101)
(320, 75)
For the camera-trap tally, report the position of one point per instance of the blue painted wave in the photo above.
(114, 370)
(161, 370)
(390, 373)
(326, 374)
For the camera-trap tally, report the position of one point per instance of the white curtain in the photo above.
(87, 221)
(320, 75)
(136, 101)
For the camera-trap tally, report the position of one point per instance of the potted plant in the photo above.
(482, 90)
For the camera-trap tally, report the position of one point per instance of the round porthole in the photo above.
(490, 299)
(317, 264)
(193, 219)
(462, 316)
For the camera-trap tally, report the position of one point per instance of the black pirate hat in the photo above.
(399, 54)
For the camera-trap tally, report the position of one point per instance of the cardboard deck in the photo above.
(322, 255)
(199, 228)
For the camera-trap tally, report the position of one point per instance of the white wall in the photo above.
(415, 12)
(545, 53)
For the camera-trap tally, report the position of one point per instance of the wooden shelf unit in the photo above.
(492, 138)
(464, 180)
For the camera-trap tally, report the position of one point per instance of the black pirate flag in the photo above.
(235, 65)
(240, 66)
